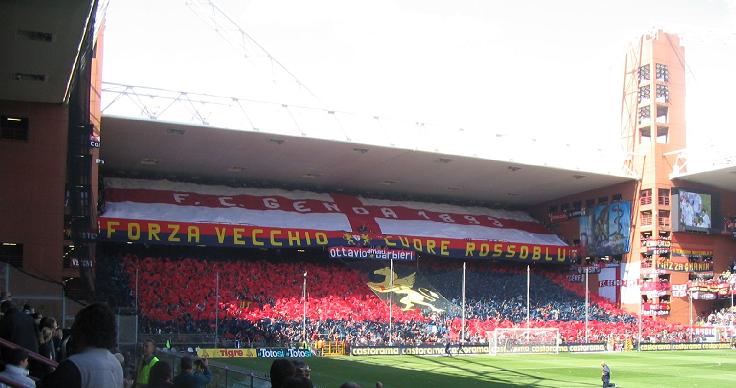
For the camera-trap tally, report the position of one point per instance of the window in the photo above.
(11, 253)
(645, 115)
(645, 197)
(644, 73)
(602, 200)
(564, 206)
(577, 205)
(552, 209)
(662, 135)
(663, 94)
(616, 197)
(663, 197)
(645, 94)
(662, 73)
(645, 135)
(589, 203)
(646, 218)
(662, 112)
(663, 219)
(14, 128)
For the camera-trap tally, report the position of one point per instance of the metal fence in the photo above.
(222, 375)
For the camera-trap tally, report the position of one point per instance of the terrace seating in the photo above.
(261, 301)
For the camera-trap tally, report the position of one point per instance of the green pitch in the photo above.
(710, 368)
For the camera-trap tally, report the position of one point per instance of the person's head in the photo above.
(281, 369)
(379, 384)
(6, 306)
(17, 357)
(94, 326)
(148, 347)
(28, 309)
(187, 364)
(46, 335)
(350, 384)
(297, 382)
(160, 373)
(49, 322)
(302, 369)
(603, 363)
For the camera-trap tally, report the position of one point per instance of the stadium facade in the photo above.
(658, 223)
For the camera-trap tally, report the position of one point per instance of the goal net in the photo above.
(522, 340)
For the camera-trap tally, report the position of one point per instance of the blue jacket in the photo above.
(193, 380)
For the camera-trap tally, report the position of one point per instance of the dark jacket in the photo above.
(192, 380)
(17, 326)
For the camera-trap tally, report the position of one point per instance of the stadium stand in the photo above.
(260, 302)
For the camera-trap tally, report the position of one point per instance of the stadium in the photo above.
(232, 233)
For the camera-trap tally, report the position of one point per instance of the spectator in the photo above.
(93, 365)
(281, 370)
(350, 384)
(302, 369)
(188, 379)
(147, 362)
(16, 367)
(46, 343)
(17, 327)
(298, 382)
(160, 376)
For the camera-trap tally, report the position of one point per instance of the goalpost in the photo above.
(524, 341)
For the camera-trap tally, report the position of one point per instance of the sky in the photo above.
(548, 70)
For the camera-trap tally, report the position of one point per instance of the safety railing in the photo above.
(223, 376)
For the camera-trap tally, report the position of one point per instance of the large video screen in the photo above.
(695, 211)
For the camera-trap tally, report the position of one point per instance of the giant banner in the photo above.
(163, 212)
(605, 230)
(429, 350)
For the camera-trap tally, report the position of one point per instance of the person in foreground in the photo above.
(16, 367)
(93, 365)
(188, 379)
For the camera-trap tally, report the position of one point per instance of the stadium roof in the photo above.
(189, 152)
(722, 178)
(40, 42)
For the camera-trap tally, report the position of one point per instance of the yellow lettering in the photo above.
(523, 252)
(294, 238)
(443, 248)
(547, 257)
(153, 231)
(273, 234)
(174, 228)
(485, 248)
(220, 232)
(561, 254)
(321, 238)
(536, 253)
(134, 231)
(510, 250)
(389, 243)
(237, 236)
(469, 248)
(308, 238)
(111, 228)
(404, 241)
(254, 236)
(430, 246)
(497, 249)
(193, 233)
(417, 244)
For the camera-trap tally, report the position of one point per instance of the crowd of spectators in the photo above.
(49, 357)
(260, 302)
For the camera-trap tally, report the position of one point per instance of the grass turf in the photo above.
(709, 368)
